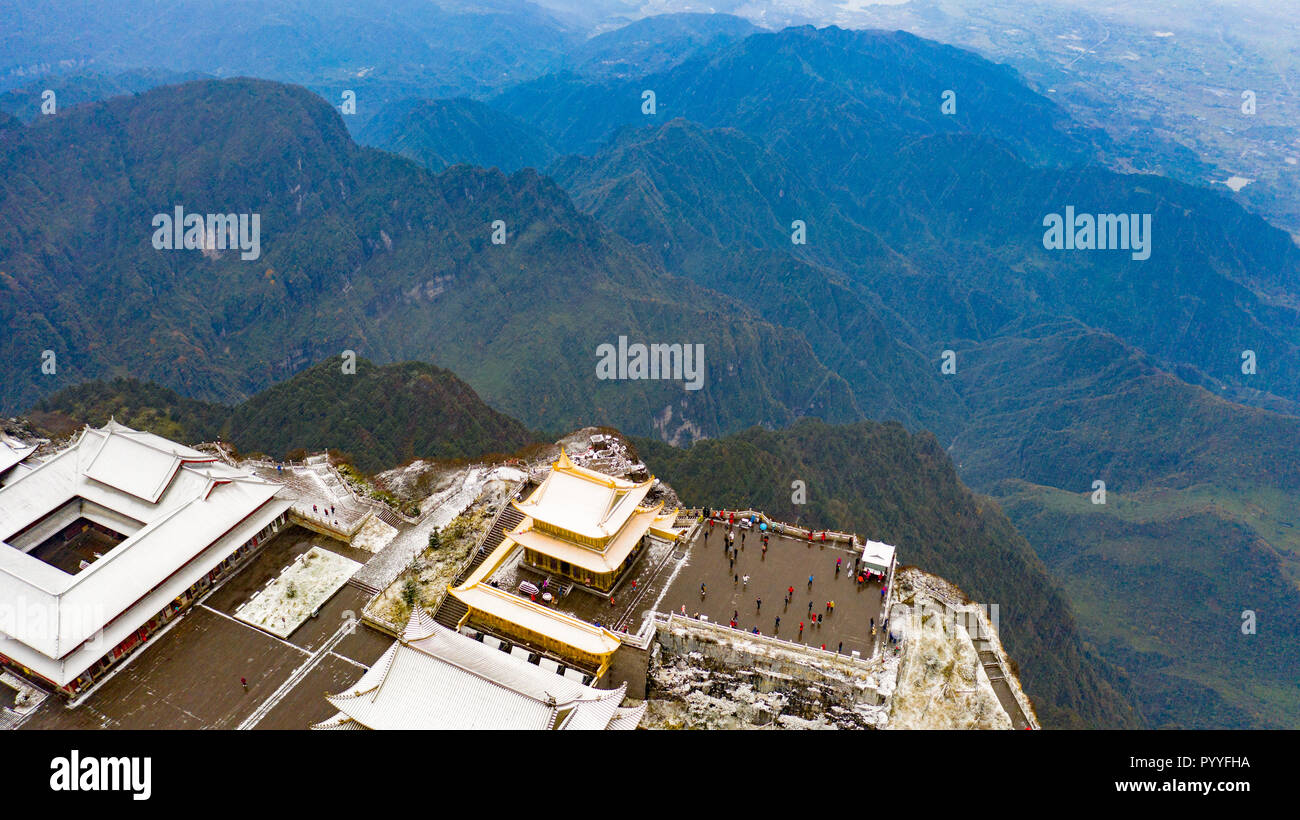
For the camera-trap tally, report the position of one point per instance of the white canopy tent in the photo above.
(878, 557)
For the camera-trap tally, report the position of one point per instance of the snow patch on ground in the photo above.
(374, 536)
(306, 584)
(941, 684)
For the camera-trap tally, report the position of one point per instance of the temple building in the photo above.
(580, 528)
(588, 527)
(437, 678)
(103, 543)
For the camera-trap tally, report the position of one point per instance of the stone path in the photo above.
(411, 540)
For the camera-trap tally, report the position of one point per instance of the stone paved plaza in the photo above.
(788, 563)
(188, 676)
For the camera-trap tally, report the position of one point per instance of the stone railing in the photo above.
(325, 526)
(783, 528)
(669, 620)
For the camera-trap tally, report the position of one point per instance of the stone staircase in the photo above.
(369, 589)
(392, 519)
(506, 520)
(450, 611)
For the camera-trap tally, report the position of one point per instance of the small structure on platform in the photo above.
(437, 678)
(878, 557)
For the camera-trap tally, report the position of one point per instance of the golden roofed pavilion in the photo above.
(589, 527)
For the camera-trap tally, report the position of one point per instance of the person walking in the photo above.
(745, 581)
(244, 683)
(810, 580)
(703, 589)
(760, 604)
(778, 623)
(801, 629)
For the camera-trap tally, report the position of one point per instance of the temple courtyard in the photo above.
(189, 675)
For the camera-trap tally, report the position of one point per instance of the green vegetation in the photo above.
(361, 251)
(377, 418)
(441, 133)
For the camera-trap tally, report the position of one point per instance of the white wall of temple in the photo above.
(47, 527)
(115, 521)
(67, 514)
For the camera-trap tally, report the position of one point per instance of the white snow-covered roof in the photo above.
(877, 555)
(538, 619)
(181, 511)
(13, 451)
(583, 501)
(138, 463)
(436, 678)
(615, 552)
